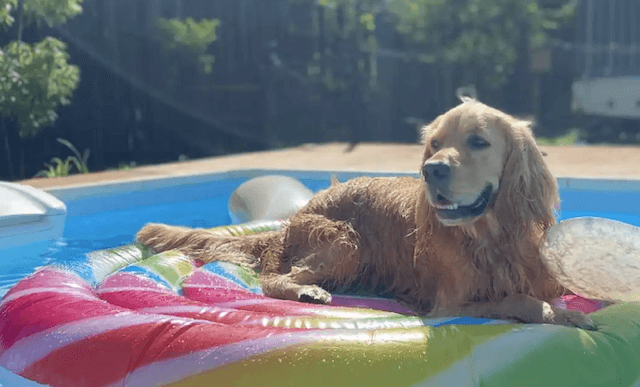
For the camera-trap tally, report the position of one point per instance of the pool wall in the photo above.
(578, 194)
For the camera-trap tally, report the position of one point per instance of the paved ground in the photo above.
(565, 161)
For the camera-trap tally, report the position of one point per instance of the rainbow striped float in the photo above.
(127, 317)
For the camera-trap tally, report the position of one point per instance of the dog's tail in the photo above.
(208, 246)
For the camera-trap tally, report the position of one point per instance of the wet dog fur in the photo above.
(464, 239)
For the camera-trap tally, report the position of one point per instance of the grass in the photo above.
(59, 168)
(568, 139)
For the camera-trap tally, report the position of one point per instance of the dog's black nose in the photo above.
(436, 172)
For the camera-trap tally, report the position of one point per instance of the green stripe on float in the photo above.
(392, 357)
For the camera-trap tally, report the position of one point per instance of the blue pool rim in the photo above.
(80, 191)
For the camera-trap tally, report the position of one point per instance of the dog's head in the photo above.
(479, 160)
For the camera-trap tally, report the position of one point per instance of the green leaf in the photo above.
(63, 168)
(190, 36)
(485, 35)
(51, 12)
(39, 79)
(368, 21)
(80, 161)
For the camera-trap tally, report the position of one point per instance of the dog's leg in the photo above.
(523, 308)
(317, 250)
(297, 285)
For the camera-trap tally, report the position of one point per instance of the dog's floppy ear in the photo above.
(426, 134)
(427, 130)
(528, 192)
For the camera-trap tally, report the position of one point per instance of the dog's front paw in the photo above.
(314, 295)
(570, 318)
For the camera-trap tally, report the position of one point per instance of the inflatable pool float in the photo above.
(28, 215)
(269, 197)
(129, 317)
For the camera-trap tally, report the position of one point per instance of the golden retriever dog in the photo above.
(464, 239)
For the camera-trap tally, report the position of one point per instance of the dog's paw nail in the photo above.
(314, 295)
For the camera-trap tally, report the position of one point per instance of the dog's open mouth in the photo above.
(450, 210)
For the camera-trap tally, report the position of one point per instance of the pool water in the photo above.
(108, 219)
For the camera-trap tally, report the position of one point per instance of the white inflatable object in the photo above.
(268, 198)
(596, 258)
(28, 215)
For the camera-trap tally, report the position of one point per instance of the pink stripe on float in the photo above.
(215, 314)
(31, 349)
(184, 309)
(235, 287)
(248, 302)
(47, 276)
(133, 289)
(295, 308)
(78, 292)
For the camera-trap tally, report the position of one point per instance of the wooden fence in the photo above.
(285, 72)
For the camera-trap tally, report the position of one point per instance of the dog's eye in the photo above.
(477, 143)
(435, 145)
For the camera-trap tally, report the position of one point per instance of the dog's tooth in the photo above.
(450, 207)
